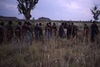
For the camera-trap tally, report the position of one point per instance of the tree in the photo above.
(25, 7)
(95, 12)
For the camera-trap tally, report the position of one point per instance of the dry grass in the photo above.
(54, 52)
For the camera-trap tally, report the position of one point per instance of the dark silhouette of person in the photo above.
(24, 27)
(94, 31)
(18, 30)
(9, 31)
(48, 30)
(61, 31)
(86, 30)
(1, 32)
(40, 30)
(36, 31)
(65, 25)
(54, 29)
(69, 29)
(27, 32)
(73, 30)
(65, 28)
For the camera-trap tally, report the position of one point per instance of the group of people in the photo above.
(48, 31)
(8, 31)
(27, 32)
(68, 29)
(52, 30)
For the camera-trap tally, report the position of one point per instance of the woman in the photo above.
(61, 31)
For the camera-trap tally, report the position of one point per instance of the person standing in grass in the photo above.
(73, 30)
(1, 32)
(65, 29)
(36, 31)
(30, 32)
(27, 32)
(48, 30)
(69, 29)
(94, 31)
(18, 30)
(61, 31)
(86, 31)
(40, 30)
(9, 32)
(54, 30)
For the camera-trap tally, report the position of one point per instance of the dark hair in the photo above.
(20, 23)
(25, 22)
(50, 23)
(72, 23)
(36, 24)
(40, 24)
(54, 24)
(10, 22)
(2, 23)
(94, 21)
(47, 24)
(62, 23)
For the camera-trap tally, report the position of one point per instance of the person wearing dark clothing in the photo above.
(27, 32)
(73, 30)
(18, 30)
(65, 25)
(54, 29)
(40, 30)
(69, 29)
(48, 30)
(61, 31)
(36, 31)
(1, 32)
(65, 29)
(9, 31)
(86, 30)
(24, 27)
(94, 31)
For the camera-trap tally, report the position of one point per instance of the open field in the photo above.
(54, 52)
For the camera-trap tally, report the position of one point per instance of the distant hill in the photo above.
(43, 19)
(3, 18)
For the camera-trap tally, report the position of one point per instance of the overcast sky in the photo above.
(53, 9)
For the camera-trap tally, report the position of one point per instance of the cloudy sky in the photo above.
(53, 9)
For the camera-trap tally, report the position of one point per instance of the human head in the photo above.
(94, 22)
(2, 23)
(62, 24)
(54, 24)
(10, 22)
(49, 24)
(40, 24)
(72, 23)
(19, 23)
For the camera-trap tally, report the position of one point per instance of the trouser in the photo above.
(1, 39)
(93, 36)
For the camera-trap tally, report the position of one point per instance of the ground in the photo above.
(54, 52)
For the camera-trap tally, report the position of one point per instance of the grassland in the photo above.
(54, 52)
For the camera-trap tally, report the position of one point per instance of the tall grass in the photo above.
(54, 52)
